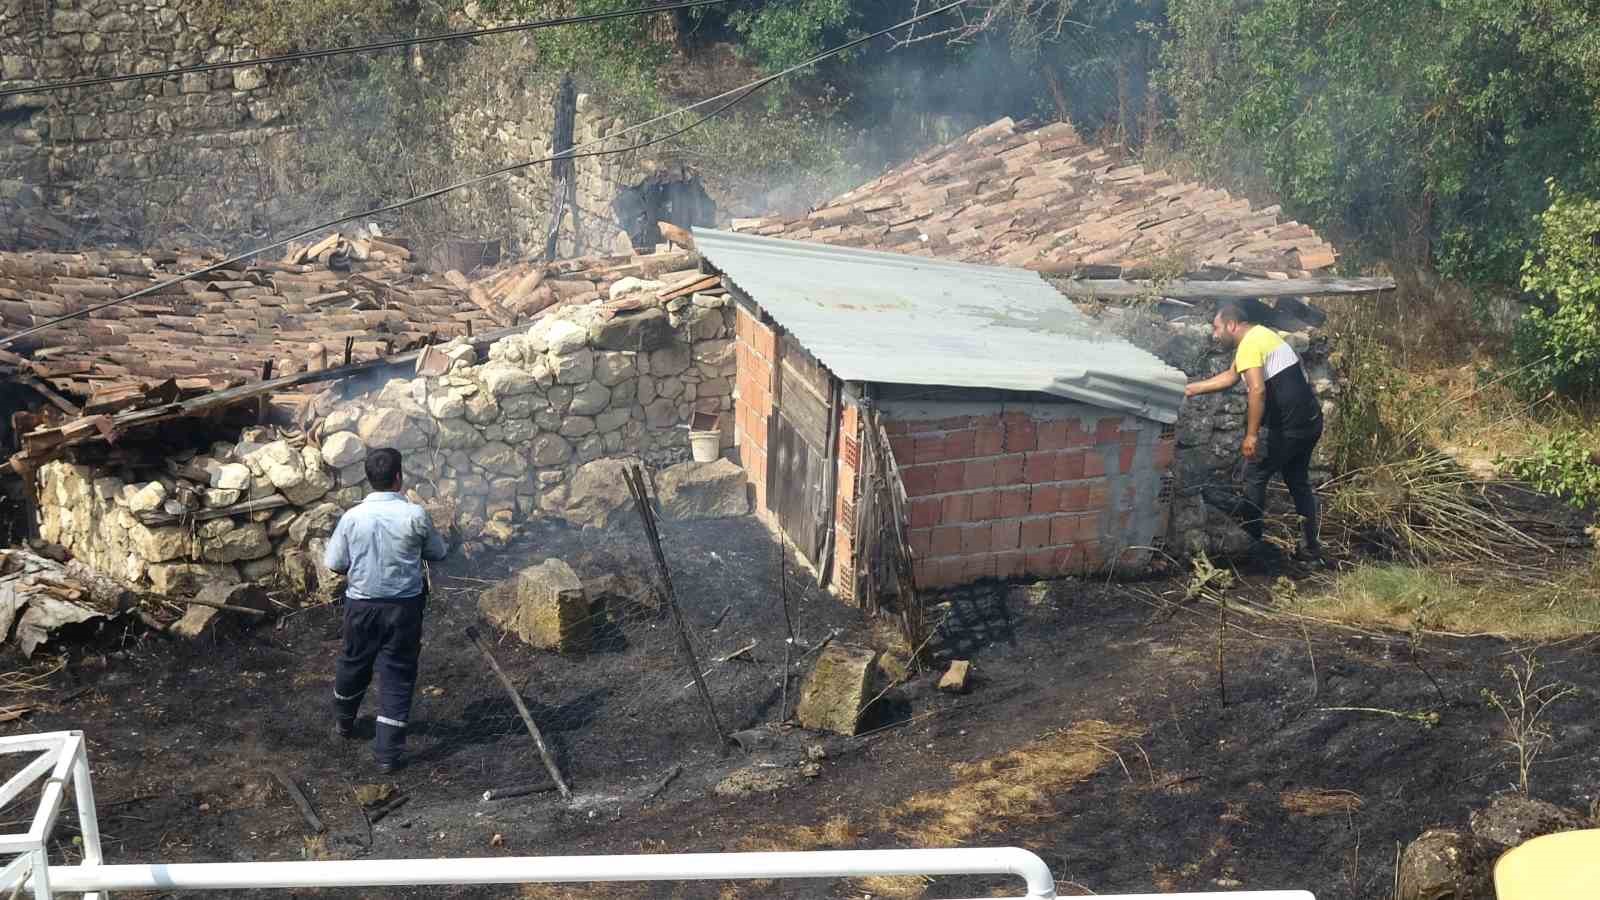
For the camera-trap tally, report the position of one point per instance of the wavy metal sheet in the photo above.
(887, 317)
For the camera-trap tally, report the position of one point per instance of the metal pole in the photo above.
(570, 869)
(641, 495)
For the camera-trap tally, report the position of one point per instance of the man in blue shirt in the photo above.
(380, 545)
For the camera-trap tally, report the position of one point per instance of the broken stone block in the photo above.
(343, 449)
(148, 498)
(643, 331)
(836, 694)
(319, 521)
(506, 381)
(1512, 819)
(1447, 864)
(576, 367)
(259, 569)
(559, 336)
(390, 428)
(169, 579)
(544, 605)
(235, 544)
(201, 621)
(155, 545)
(955, 677)
(231, 477)
(714, 490)
(595, 497)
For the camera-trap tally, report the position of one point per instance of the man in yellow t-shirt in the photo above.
(1281, 399)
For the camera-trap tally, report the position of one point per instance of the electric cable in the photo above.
(737, 95)
(325, 52)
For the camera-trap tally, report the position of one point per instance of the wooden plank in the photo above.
(1120, 289)
(804, 409)
(811, 373)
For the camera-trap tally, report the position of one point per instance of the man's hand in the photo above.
(1250, 447)
(1188, 390)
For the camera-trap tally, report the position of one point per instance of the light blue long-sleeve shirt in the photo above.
(380, 544)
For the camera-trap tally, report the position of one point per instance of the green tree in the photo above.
(1558, 340)
(1423, 128)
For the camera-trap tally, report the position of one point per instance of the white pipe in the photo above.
(554, 869)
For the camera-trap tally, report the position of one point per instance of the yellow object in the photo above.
(1564, 866)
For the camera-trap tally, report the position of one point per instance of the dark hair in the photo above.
(1232, 312)
(383, 469)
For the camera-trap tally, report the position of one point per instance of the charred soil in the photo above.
(1098, 731)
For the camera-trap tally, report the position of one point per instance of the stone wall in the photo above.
(129, 152)
(487, 445)
(1210, 428)
(220, 154)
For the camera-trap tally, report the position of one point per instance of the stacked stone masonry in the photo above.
(220, 152)
(1044, 491)
(486, 445)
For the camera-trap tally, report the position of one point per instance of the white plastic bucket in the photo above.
(706, 446)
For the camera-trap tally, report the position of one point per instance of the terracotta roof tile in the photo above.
(1042, 197)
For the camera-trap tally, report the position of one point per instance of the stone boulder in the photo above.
(233, 544)
(643, 331)
(170, 579)
(693, 490)
(1512, 819)
(342, 450)
(596, 496)
(202, 621)
(388, 427)
(544, 605)
(838, 690)
(1447, 865)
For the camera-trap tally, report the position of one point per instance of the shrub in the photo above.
(1561, 465)
(1558, 341)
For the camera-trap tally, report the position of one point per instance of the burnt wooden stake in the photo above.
(518, 790)
(349, 349)
(229, 607)
(382, 812)
(641, 497)
(299, 798)
(522, 710)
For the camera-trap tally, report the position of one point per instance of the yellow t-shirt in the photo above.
(1291, 404)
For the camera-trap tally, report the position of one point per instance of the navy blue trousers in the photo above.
(386, 634)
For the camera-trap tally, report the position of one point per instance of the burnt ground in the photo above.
(181, 737)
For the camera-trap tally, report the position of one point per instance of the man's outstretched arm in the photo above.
(1218, 382)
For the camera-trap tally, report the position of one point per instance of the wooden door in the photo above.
(799, 443)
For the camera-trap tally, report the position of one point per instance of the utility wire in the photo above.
(733, 97)
(362, 48)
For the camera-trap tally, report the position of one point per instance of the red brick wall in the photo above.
(1009, 495)
(755, 348)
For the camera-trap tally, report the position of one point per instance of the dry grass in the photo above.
(32, 680)
(1426, 508)
(1317, 802)
(838, 833)
(899, 886)
(992, 794)
(1439, 598)
(602, 890)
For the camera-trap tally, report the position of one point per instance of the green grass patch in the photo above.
(1439, 599)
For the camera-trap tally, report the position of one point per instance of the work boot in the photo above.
(344, 728)
(1310, 554)
(1265, 556)
(390, 766)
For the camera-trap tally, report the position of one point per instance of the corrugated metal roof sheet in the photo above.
(887, 317)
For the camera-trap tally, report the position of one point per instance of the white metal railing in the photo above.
(62, 755)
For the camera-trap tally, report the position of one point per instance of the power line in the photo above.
(737, 95)
(361, 48)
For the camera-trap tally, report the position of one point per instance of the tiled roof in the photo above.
(228, 325)
(1042, 198)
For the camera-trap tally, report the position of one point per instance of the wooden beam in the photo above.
(1119, 289)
